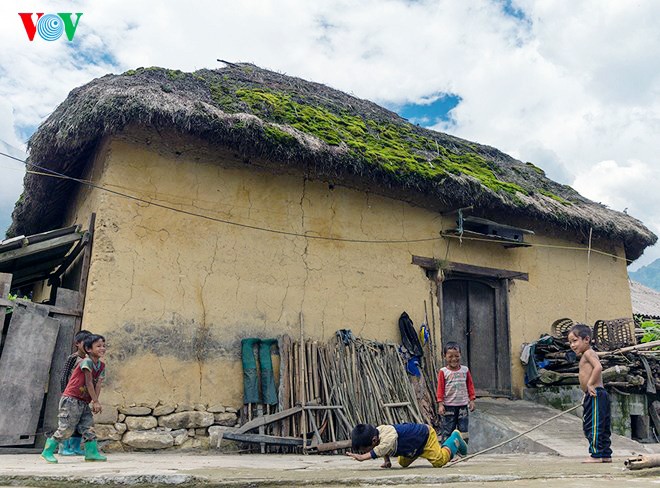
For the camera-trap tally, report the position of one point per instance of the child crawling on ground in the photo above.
(407, 441)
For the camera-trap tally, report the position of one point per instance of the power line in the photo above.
(54, 174)
(51, 173)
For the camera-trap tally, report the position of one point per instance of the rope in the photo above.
(448, 465)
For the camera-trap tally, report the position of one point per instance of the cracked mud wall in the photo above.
(175, 293)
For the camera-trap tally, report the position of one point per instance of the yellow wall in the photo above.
(175, 293)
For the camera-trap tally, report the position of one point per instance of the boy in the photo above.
(408, 441)
(83, 387)
(455, 392)
(71, 446)
(596, 404)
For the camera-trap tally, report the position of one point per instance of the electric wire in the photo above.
(51, 173)
(54, 174)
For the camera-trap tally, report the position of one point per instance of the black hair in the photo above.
(91, 339)
(581, 330)
(362, 436)
(81, 336)
(451, 345)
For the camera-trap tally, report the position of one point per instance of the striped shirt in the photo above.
(455, 388)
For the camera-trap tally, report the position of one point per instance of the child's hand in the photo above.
(386, 464)
(441, 408)
(356, 456)
(591, 390)
(96, 407)
(471, 405)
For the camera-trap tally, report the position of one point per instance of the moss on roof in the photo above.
(325, 132)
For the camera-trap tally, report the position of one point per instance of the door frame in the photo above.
(501, 328)
(439, 271)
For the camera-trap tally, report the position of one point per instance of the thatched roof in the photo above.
(328, 134)
(645, 300)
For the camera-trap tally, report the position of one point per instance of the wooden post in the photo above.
(303, 360)
(63, 348)
(84, 271)
(5, 287)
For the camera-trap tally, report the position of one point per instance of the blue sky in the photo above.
(570, 86)
(436, 111)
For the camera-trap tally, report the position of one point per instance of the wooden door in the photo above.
(473, 315)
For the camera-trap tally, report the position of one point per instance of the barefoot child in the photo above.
(407, 441)
(83, 388)
(596, 404)
(71, 446)
(455, 392)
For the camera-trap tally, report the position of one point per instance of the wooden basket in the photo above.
(614, 334)
(561, 327)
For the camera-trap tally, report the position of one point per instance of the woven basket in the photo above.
(561, 327)
(614, 334)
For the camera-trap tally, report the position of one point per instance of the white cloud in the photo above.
(572, 85)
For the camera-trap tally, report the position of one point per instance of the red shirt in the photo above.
(76, 387)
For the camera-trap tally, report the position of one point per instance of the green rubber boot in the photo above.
(74, 445)
(456, 444)
(49, 450)
(92, 452)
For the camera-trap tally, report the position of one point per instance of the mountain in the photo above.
(648, 275)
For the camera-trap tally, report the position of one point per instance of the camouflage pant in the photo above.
(454, 418)
(74, 415)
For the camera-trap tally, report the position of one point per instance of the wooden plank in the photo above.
(482, 354)
(481, 271)
(5, 288)
(455, 314)
(24, 367)
(265, 439)
(267, 419)
(51, 309)
(503, 346)
(63, 348)
(654, 413)
(39, 247)
(84, 271)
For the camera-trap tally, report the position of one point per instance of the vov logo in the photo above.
(50, 26)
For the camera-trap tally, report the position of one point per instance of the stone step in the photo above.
(496, 420)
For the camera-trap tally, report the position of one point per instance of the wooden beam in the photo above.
(5, 288)
(39, 247)
(265, 439)
(267, 419)
(63, 347)
(51, 308)
(84, 270)
(435, 264)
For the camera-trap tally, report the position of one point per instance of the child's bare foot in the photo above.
(597, 460)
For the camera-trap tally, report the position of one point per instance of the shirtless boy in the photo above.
(596, 404)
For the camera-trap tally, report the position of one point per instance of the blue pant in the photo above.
(596, 423)
(455, 417)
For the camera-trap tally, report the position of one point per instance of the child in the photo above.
(596, 404)
(408, 441)
(71, 446)
(455, 393)
(83, 387)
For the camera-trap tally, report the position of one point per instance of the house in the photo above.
(229, 202)
(645, 301)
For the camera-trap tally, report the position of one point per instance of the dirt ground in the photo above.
(171, 469)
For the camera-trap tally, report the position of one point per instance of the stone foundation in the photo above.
(140, 427)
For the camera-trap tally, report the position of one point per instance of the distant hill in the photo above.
(648, 275)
